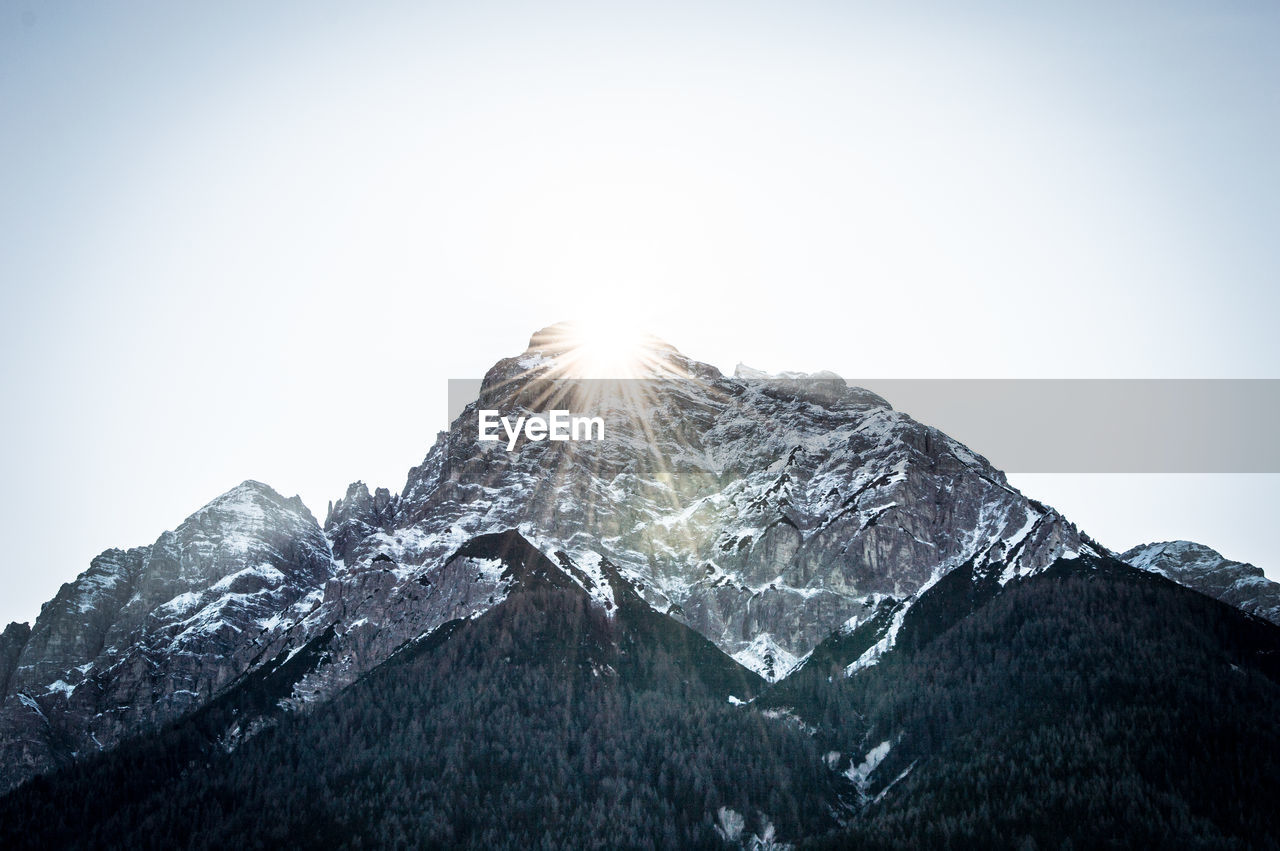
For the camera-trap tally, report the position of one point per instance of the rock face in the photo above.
(12, 640)
(764, 512)
(148, 634)
(1205, 570)
(357, 516)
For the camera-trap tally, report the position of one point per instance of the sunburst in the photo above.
(606, 350)
(608, 368)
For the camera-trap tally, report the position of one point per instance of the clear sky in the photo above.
(251, 240)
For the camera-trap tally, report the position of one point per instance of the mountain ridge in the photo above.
(765, 513)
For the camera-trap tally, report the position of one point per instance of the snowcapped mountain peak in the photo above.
(762, 512)
(249, 503)
(1209, 572)
(570, 352)
(205, 598)
(747, 506)
(755, 547)
(1183, 552)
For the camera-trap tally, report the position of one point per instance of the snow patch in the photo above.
(872, 654)
(265, 571)
(598, 588)
(30, 703)
(62, 686)
(532, 361)
(861, 773)
(767, 658)
(892, 783)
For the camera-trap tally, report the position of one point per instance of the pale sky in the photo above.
(246, 240)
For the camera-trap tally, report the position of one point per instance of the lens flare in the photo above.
(607, 350)
(608, 369)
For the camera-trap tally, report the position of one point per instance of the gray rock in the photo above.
(1205, 570)
(357, 516)
(751, 506)
(145, 635)
(12, 641)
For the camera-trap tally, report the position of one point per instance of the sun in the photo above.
(607, 350)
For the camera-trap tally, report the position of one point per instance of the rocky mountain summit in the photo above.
(1209, 572)
(146, 635)
(766, 513)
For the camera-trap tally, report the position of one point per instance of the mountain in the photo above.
(763, 511)
(1197, 566)
(760, 511)
(1088, 705)
(545, 719)
(148, 634)
(749, 573)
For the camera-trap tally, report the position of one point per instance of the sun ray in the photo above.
(611, 369)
